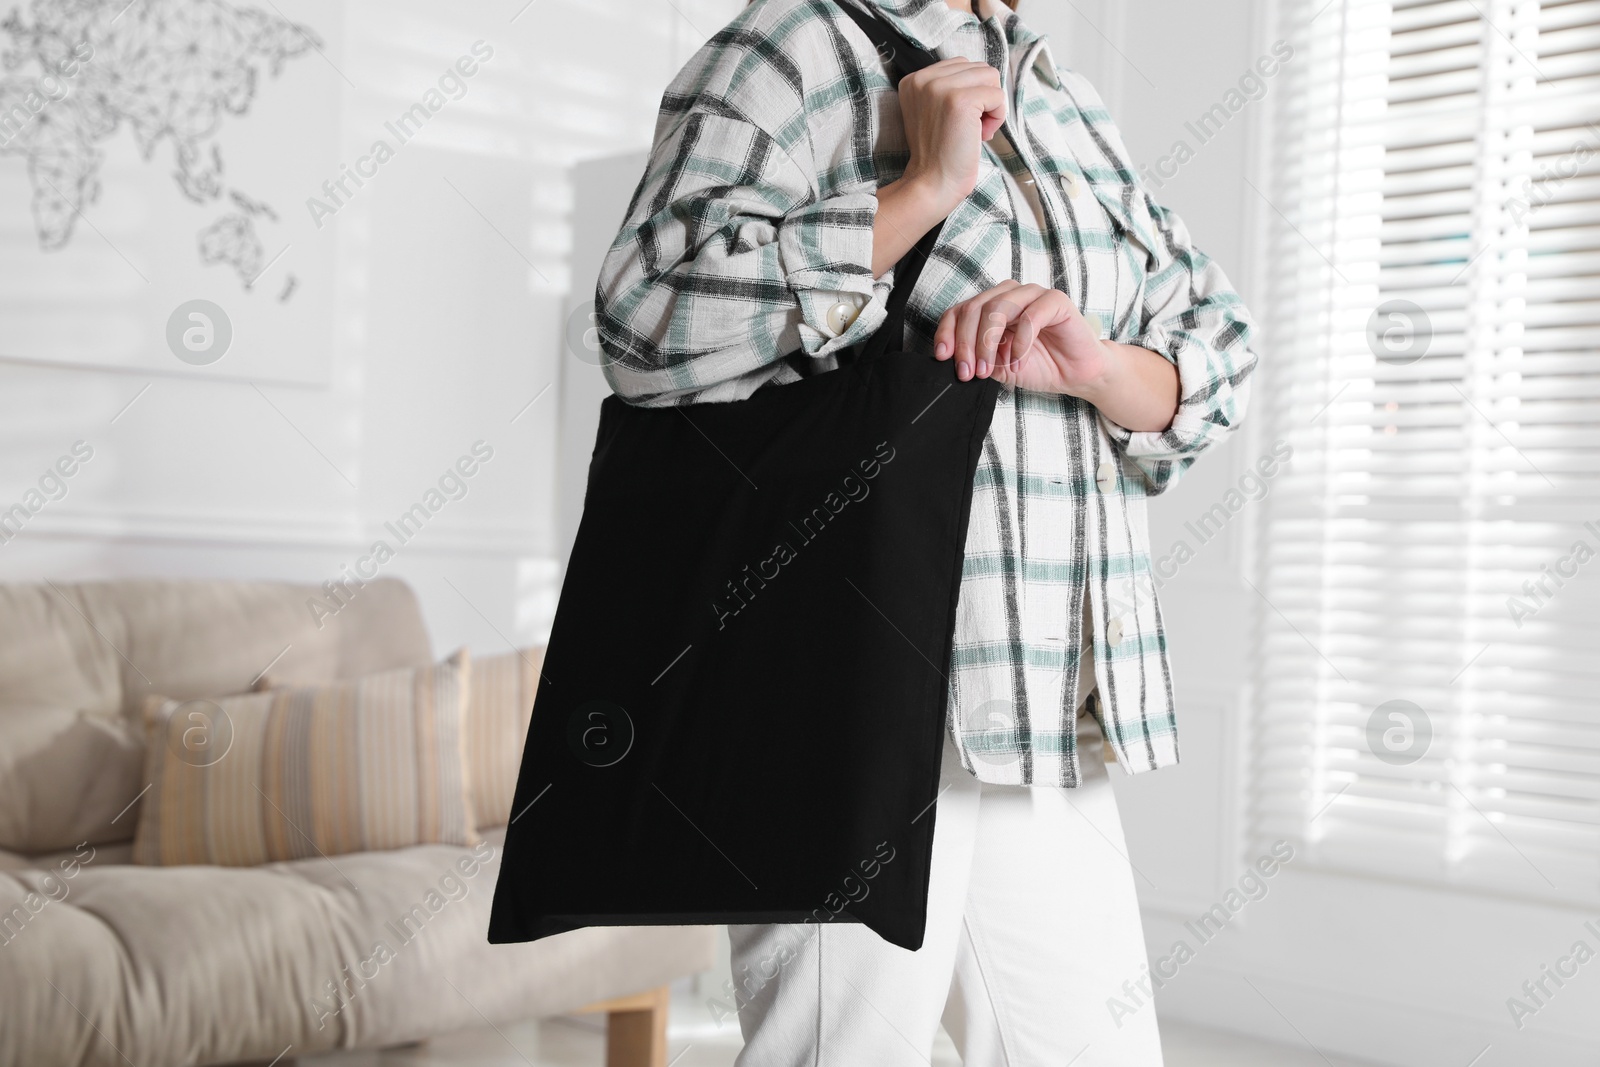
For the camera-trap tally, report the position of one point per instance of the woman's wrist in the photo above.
(927, 192)
(1136, 388)
(907, 209)
(1111, 379)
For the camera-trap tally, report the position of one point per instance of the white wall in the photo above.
(443, 280)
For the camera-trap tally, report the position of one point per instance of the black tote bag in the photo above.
(742, 704)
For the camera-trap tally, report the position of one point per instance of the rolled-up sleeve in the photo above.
(728, 263)
(1191, 316)
(825, 250)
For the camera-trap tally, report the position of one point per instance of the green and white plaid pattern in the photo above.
(753, 225)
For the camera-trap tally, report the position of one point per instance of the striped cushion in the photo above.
(503, 688)
(348, 766)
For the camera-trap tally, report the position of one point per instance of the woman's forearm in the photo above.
(1137, 391)
(1138, 388)
(906, 211)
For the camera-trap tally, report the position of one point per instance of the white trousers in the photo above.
(1033, 923)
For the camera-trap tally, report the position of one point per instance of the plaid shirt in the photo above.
(745, 260)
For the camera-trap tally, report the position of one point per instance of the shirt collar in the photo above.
(1020, 38)
(925, 23)
(929, 23)
(1045, 63)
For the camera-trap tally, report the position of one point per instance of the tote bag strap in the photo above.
(900, 57)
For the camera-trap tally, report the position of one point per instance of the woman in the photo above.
(788, 177)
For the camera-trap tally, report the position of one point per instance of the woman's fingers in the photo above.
(993, 315)
(993, 333)
(958, 334)
(1041, 309)
(993, 103)
(944, 334)
(966, 84)
(968, 366)
(993, 120)
(970, 71)
(1001, 345)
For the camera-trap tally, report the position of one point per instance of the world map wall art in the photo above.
(154, 156)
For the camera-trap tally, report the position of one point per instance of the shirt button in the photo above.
(1105, 476)
(1114, 632)
(840, 316)
(1069, 183)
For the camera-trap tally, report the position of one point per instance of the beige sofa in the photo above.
(106, 962)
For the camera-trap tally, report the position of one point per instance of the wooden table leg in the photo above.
(636, 1028)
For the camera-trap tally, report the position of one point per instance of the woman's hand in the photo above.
(1025, 336)
(949, 109)
(1034, 338)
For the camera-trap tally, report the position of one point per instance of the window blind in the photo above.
(1427, 697)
